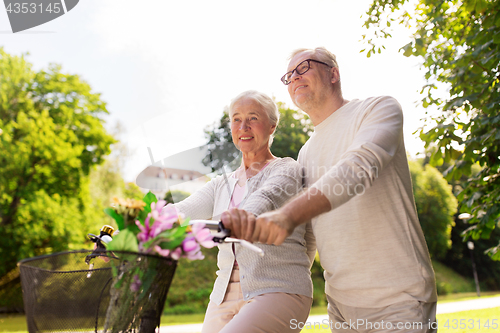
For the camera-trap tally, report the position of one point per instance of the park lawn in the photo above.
(466, 296)
(447, 323)
(184, 319)
(13, 323)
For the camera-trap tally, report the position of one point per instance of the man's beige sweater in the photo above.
(370, 244)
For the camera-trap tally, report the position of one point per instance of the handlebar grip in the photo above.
(252, 247)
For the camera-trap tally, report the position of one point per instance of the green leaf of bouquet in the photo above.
(171, 234)
(170, 245)
(117, 217)
(148, 199)
(124, 241)
(143, 214)
(185, 223)
(133, 228)
(180, 231)
(149, 243)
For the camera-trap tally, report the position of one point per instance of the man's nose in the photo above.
(294, 75)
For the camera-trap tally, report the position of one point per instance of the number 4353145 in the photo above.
(471, 324)
(33, 8)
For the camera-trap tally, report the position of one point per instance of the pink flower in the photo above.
(190, 244)
(195, 256)
(144, 235)
(192, 248)
(163, 218)
(161, 252)
(164, 213)
(175, 254)
(156, 208)
(203, 235)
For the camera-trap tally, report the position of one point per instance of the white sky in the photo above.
(167, 68)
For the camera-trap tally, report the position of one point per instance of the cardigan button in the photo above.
(247, 295)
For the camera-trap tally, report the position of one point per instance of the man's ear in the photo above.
(335, 74)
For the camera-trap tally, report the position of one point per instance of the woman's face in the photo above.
(250, 126)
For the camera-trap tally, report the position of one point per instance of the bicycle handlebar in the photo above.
(222, 235)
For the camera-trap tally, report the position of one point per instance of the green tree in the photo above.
(292, 132)
(459, 44)
(52, 136)
(221, 149)
(106, 182)
(176, 196)
(294, 129)
(436, 207)
(458, 256)
(133, 191)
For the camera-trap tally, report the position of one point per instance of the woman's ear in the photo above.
(273, 129)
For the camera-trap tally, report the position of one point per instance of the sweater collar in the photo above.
(331, 118)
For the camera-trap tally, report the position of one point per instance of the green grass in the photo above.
(17, 323)
(466, 296)
(13, 323)
(182, 319)
(450, 282)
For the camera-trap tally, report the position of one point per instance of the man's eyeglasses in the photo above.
(301, 68)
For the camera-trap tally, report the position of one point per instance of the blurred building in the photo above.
(160, 180)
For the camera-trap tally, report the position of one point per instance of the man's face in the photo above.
(308, 90)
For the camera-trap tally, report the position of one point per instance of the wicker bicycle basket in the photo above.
(124, 292)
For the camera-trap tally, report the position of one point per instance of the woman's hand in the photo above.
(240, 222)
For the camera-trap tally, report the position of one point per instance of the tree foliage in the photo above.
(176, 196)
(459, 257)
(459, 44)
(292, 132)
(52, 137)
(436, 207)
(294, 129)
(221, 150)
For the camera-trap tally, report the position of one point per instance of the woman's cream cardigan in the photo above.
(284, 268)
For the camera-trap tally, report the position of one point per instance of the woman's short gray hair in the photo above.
(267, 103)
(321, 54)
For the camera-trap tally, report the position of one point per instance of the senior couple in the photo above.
(356, 209)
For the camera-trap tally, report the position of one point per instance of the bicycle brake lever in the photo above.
(223, 235)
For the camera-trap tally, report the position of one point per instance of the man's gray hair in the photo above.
(321, 54)
(267, 103)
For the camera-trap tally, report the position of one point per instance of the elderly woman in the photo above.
(253, 293)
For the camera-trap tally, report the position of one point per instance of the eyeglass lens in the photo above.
(301, 69)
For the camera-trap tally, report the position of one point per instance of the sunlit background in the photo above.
(167, 69)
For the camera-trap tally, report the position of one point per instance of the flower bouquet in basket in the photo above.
(152, 237)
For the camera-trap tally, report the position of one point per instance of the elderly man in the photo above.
(359, 196)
